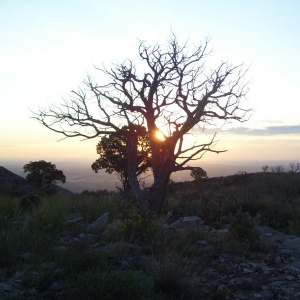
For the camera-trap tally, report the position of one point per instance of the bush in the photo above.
(49, 218)
(138, 223)
(198, 174)
(9, 207)
(92, 205)
(168, 281)
(29, 202)
(74, 263)
(111, 285)
(243, 228)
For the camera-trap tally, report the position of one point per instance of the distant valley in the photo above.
(81, 177)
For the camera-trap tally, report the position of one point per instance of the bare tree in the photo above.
(265, 168)
(277, 169)
(173, 94)
(294, 167)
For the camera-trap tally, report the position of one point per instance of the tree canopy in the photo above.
(198, 174)
(112, 150)
(42, 173)
(171, 90)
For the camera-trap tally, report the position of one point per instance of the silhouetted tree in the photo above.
(277, 169)
(294, 167)
(42, 173)
(174, 93)
(112, 150)
(198, 174)
(265, 168)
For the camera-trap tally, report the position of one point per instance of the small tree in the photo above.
(198, 174)
(294, 168)
(113, 149)
(42, 173)
(277, 169)
(265, 168)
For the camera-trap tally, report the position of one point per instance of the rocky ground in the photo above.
(210, 274)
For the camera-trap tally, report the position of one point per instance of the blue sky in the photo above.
(48, 47)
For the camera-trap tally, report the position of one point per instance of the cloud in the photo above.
(269, 130)
(273, 121)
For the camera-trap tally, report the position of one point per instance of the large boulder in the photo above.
(100, 223)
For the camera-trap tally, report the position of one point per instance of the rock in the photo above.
(244, 282)
(125, 248)
(247, 271)
(222, 231)
(99, 245)
(192, 221)
(5, 287)
(169, 214)
(74, 216)
(17, 294)
(222, 288)
(202, 242)
(286, 252)
(61, 248)
(54, 287)
(276, 283)
(73, 221)
(223, 258)
(292, 271)
(17, 275)
(86, 236)
(26, 256)
(33, 292)
(268, 271)
(64, 239)
(112, 229)
(100, 223)
(264, 295)
(289, 277)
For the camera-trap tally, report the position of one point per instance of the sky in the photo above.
(47, 48)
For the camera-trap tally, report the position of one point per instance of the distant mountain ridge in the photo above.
(17, 185)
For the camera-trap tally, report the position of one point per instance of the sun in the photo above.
(159, 135)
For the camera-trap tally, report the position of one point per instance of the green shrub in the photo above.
(137, 223)
(111, 285)
(42, 226)
(49, 217)
(9, 208)
(175, 242)
(295, 227)
(29, 202)
(92, 205)
(10, 245)
(73, 263)
(167, 280)
(243, 228)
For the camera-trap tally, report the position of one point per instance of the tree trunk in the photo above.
(163, 161)
(132, 164)
(157, 195)
(159, 190)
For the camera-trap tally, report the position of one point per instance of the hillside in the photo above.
(234, 237)
(16, 185)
